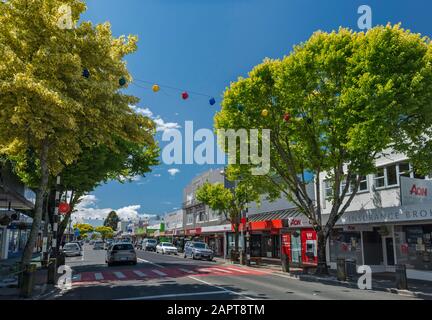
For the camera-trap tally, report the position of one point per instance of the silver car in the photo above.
(98, 245)
(72, 250)
(121, 252)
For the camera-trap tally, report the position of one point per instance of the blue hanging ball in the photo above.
(212, 101)
(86, 73)
(122, 81)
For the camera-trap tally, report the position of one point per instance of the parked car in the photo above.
(150, 244)
(166, 248)
(139, 244)
(198, 250)
(78, 243)
(72, 249)
(121, 253)
(99, 245)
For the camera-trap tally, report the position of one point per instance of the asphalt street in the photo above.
(158, 276)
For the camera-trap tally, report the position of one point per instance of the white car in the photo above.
(72, 249)
(166, 248)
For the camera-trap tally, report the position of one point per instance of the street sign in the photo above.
(76, 232)
(63, 208)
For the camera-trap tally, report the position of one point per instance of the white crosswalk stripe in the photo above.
(238, 270)
(186, 270)
(99, 276)
(119, 275)
(139, 273)
(221, 270)
(159, 273)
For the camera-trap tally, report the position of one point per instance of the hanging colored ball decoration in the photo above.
(212, 101)
(122, 81)
(185, 95)
(287, 117)
(86, 73)
(155, 88)
(264, 113)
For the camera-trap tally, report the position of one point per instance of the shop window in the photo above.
(414, 246)
(404, 169)
(363, 186)
(189, 218)
(328, 189)
(345, 245)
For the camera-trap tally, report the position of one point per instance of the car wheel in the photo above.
(185, 256)
(110, 264)
(193, 257)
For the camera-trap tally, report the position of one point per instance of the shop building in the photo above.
(389, 221)
(16, 205)
(199, 221)
(174, 228)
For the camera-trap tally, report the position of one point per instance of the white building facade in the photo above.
(389, 221)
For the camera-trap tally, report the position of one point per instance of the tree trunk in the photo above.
(236, 237)
(322, 258)
(40, 195)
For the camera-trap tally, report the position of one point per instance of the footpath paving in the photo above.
(380, 281)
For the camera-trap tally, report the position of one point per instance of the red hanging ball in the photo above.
(185, 95)
(287, 117)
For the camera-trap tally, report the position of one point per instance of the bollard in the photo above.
(285, 263)
(27, 281)
(61, 259)
(52, 271)
(341, 269)
(401, 277)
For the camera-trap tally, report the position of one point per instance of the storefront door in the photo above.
(296, 248)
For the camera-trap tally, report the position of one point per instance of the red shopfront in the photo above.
(289, 235)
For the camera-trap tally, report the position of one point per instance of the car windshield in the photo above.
(167, 244)
(70, 246)
(200, 245)
(151, 241)
(124, 246)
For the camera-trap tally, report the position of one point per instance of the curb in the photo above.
(307, 277)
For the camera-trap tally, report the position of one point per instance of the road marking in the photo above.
(139, 273)
(119, 274)
(155, 264)
(175, 295)
(160, 273)
(186, 270)
(238, 270)
(221, 288)
(99, 276)
(221, 270)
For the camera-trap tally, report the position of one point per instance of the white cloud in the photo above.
(173, 171)
(161, 125)
(87, 209)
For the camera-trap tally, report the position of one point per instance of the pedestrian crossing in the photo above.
(146, 274)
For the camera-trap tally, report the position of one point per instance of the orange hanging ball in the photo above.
(264, 113)
(155, 88)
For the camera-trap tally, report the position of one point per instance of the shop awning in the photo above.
(276, 215)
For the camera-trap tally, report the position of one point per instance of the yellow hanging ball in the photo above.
(155, 88)
(264, 113)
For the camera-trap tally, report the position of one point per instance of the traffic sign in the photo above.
(77, 232)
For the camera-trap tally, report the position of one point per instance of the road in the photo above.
(158, 276)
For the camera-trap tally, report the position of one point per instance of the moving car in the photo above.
(166, 248)
(150, 244)
(139, 244)
(108, 244)
(72, 249)
(121, 253)
(198, 250)
(98, 245)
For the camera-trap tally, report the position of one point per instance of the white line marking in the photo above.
(175, 295)
(119, 274)
(186, 270)
(155, 264)
(221, 288)
(99, 276)
(233, 269)
(160, 273)
(221, 270)
(139, 273)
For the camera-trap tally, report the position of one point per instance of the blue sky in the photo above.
(203, 45)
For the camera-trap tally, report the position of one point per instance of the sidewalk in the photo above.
(380, 281)
(9, 279)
